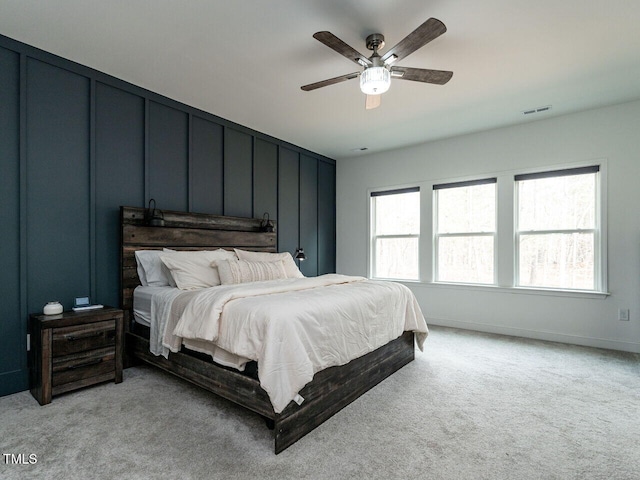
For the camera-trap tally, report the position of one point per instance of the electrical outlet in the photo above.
(623, 314)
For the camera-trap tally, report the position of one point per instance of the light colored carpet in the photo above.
(472, 406)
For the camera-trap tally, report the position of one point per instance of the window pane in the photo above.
(397, 258)
(557, 203)
(557, 261)
(397, 214)
(467, 209)
(466, 259)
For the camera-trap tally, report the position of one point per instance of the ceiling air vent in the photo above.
(537, 110)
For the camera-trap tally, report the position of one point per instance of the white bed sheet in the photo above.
(153, 308)
(142, 303)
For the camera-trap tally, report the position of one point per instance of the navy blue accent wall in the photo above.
(76, 144)
(288, 200)
(238, 178)
(207, 154)
(58, 203)
(309, 214)
(12, 330)
(119, 179)
(265, 179)
(326, 218)
(168, 153)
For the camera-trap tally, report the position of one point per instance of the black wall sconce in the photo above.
(155, 217)
(300, 254)
(266, 225)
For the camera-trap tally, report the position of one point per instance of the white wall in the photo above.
(611, 133)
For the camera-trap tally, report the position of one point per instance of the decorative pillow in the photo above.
(289, 264)
(192, 270)
(151, 271)
(243, 271)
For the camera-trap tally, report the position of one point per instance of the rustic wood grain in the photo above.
(334, 388)
(233, 386)
(431, 29)
(330, 390)
(172, 219)
(85, 382)
(183, 231)
(144, 236)
(83, 365)
(73, 350)
(77, 338)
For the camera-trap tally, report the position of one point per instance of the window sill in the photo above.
(510, 290)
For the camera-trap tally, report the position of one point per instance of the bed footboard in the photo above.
(334, 388)
(329, 392)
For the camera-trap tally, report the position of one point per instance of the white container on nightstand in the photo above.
(52, 308)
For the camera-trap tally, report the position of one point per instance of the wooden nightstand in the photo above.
(73, 350)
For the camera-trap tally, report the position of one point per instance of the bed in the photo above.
(328, 389)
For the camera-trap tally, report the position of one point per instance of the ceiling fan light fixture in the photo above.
(375, 80)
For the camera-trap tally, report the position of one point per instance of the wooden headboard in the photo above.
(182, 231)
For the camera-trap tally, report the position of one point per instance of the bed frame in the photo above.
(329, 391)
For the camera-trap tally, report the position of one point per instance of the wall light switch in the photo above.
(623, 314)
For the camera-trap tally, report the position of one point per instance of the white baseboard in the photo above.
(632, 347)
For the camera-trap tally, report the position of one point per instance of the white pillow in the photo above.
(192, 270)
(243, 271)
(289, 264)
(151, 271)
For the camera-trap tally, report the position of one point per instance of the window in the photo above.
(557, 229)
(465, 231)
(528, 232)
(395, 221)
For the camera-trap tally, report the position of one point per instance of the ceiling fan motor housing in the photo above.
(375, 41)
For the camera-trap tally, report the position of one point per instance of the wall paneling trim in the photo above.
(76, 144)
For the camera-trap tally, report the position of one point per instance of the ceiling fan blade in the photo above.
(372, 101)
(438, 77)
(330, 81)
(429, 30)
(333, 42)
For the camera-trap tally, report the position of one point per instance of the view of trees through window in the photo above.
(465, 232)
(556, 238)
(555, 241)
(396, 234)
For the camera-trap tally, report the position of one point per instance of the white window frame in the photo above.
(373, 236)
(599, 237)
(437, 235)
(505, 256)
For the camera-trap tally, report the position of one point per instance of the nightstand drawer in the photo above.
(79, 366)
(78, 338)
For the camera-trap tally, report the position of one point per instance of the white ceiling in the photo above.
(246, 60)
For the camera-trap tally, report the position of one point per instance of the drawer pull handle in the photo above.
(86, 364)
(71, 338)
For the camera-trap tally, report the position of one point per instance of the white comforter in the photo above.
(294, 328)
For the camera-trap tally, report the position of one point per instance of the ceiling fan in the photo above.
(375, 79)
